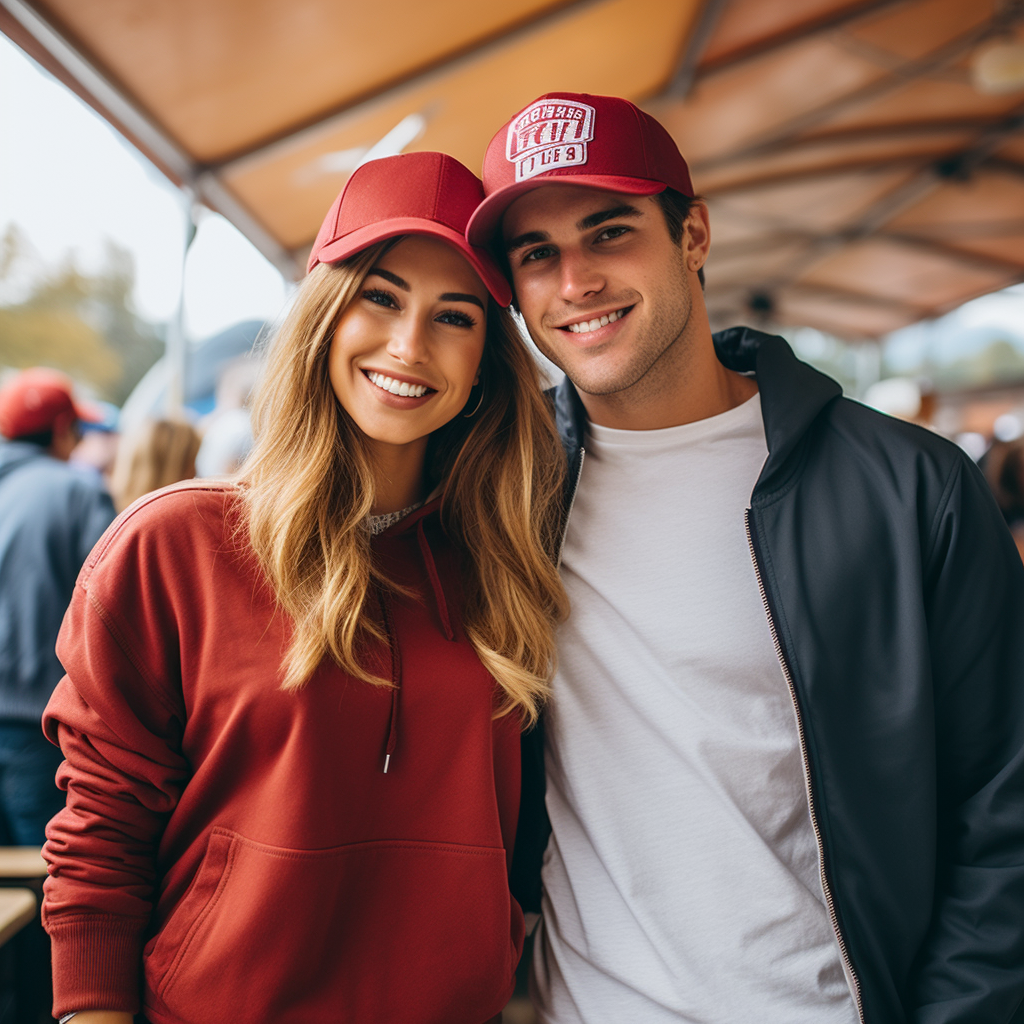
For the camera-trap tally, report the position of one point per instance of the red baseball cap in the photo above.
(32, 401)
(569, 138)
(411, 194)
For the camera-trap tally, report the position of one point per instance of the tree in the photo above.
(80, 323)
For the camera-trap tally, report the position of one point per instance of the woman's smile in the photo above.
(398, 386)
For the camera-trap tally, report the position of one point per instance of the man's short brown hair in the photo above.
(675, 208)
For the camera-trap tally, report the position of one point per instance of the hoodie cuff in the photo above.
(97, 964)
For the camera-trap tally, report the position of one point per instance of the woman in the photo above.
(292, 710)
(159, 453)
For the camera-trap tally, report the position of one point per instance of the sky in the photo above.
(69, 181)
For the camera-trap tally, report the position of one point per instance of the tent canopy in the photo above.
(862, 166)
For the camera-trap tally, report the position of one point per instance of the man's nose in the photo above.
(581, 277)
(409, 342)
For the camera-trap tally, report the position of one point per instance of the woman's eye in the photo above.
(456, 318)
(381, 298)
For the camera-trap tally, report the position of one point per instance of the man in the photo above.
(51, 514)
(785, 753)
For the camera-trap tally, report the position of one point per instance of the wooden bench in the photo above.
(17, 908)
(24, 948)
(22, 863)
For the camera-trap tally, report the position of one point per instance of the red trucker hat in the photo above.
(32, 401)
(572, 138)
(410, 194)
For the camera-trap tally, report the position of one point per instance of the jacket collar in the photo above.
(792, 394)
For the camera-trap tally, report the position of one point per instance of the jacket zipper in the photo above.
(811, 800)
(572, 501)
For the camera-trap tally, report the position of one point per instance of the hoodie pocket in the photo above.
(397, 931)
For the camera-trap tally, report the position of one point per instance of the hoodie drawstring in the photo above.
(435, 581)
(392, 636)
(396, 679)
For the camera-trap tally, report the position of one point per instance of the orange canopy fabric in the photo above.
(861, 172)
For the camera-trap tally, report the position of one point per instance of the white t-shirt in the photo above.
(681, 881)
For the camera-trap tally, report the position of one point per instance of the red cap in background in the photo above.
(411, 194)
(571, 138)
(32, 401)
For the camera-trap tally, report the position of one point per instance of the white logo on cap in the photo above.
(549, 134)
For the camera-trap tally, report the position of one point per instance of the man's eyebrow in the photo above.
(393, 278)
(461, 297)
(533, 237)
(613, 214)
(526, 239)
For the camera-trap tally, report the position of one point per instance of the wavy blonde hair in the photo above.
(308, 486)
(158, 453)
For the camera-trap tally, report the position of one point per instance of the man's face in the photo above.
(604, 291)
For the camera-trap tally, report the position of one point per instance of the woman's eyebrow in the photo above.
(460, 297)
(399, 282)
(393, 278)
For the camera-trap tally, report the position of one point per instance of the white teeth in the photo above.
(397, 387)
(592, 325)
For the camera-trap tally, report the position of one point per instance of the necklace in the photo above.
(378, 524)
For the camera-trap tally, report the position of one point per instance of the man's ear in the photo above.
(696, 240)
(65, 434)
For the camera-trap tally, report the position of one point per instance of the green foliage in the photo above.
(81, 323)
(1000, 360)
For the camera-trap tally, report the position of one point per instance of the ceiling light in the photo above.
(998, 67)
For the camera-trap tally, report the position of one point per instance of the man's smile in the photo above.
(585, 325)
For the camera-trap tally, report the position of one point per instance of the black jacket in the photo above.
(896, 597)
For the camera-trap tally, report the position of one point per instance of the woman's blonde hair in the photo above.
(309, 487)
(159, 453)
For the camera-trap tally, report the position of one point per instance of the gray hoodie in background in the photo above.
(51, 515)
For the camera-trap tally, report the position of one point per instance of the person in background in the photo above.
(226, 443)
(1004, 469)
(293, 703)
(51, 514)
(159, 453)
(227, 430)
(785, 747)
(98, 447)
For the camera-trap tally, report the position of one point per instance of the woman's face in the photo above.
(406, 351)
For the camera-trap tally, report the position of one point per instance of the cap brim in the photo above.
(487, 218)
(87, 412)
(356, 241)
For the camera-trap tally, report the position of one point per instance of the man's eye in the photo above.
(381, 298)
(612, 232)
(542, 252)
(456, 318)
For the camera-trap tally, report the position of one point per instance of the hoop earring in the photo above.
(468, 415)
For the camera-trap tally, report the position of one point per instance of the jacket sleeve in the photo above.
(119, 726)
(971, 966)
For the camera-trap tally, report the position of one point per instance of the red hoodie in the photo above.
(237, 853)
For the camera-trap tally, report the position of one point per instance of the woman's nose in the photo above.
(409, 342)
